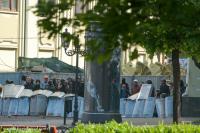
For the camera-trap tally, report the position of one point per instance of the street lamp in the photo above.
(72, 52)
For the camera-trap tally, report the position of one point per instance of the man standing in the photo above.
(124, 90)
(152, 88)
(135, 87)
(29, 84)
(164, 89)
(44, 84)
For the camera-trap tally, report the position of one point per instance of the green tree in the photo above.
(171, 26)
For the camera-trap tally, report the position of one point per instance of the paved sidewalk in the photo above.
(58, 121)
(33, 120)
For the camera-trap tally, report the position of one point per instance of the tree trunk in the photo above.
(176, 82)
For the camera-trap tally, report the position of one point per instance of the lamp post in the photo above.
(72, 52)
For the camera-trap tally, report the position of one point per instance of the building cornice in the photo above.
(46, 48)
(9, 12)
(8, 44)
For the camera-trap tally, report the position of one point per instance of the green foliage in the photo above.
(113, 127)
(53, 19)
(157, 25)
(14, 130)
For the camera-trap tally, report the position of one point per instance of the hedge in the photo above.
(114, 127)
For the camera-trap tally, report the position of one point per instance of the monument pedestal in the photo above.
(100, 117)
(190, 107)
(102, 88)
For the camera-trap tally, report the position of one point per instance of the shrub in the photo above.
(114, 127)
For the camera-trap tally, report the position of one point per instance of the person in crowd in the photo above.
(59, 85)
(124, 91)
(9, 82)
(152, 88)
(182, 86)
(69, 85)
(153, 94)
(54, 81)
(44, 84)
(51, 86)
(63, 85)
(23, 79)
(32, 80)
(1, 90)
(164, 89)
(171, 86)
(182, 90)
(135, 87)
(37, 85)
(29, 84)
(67, 89)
